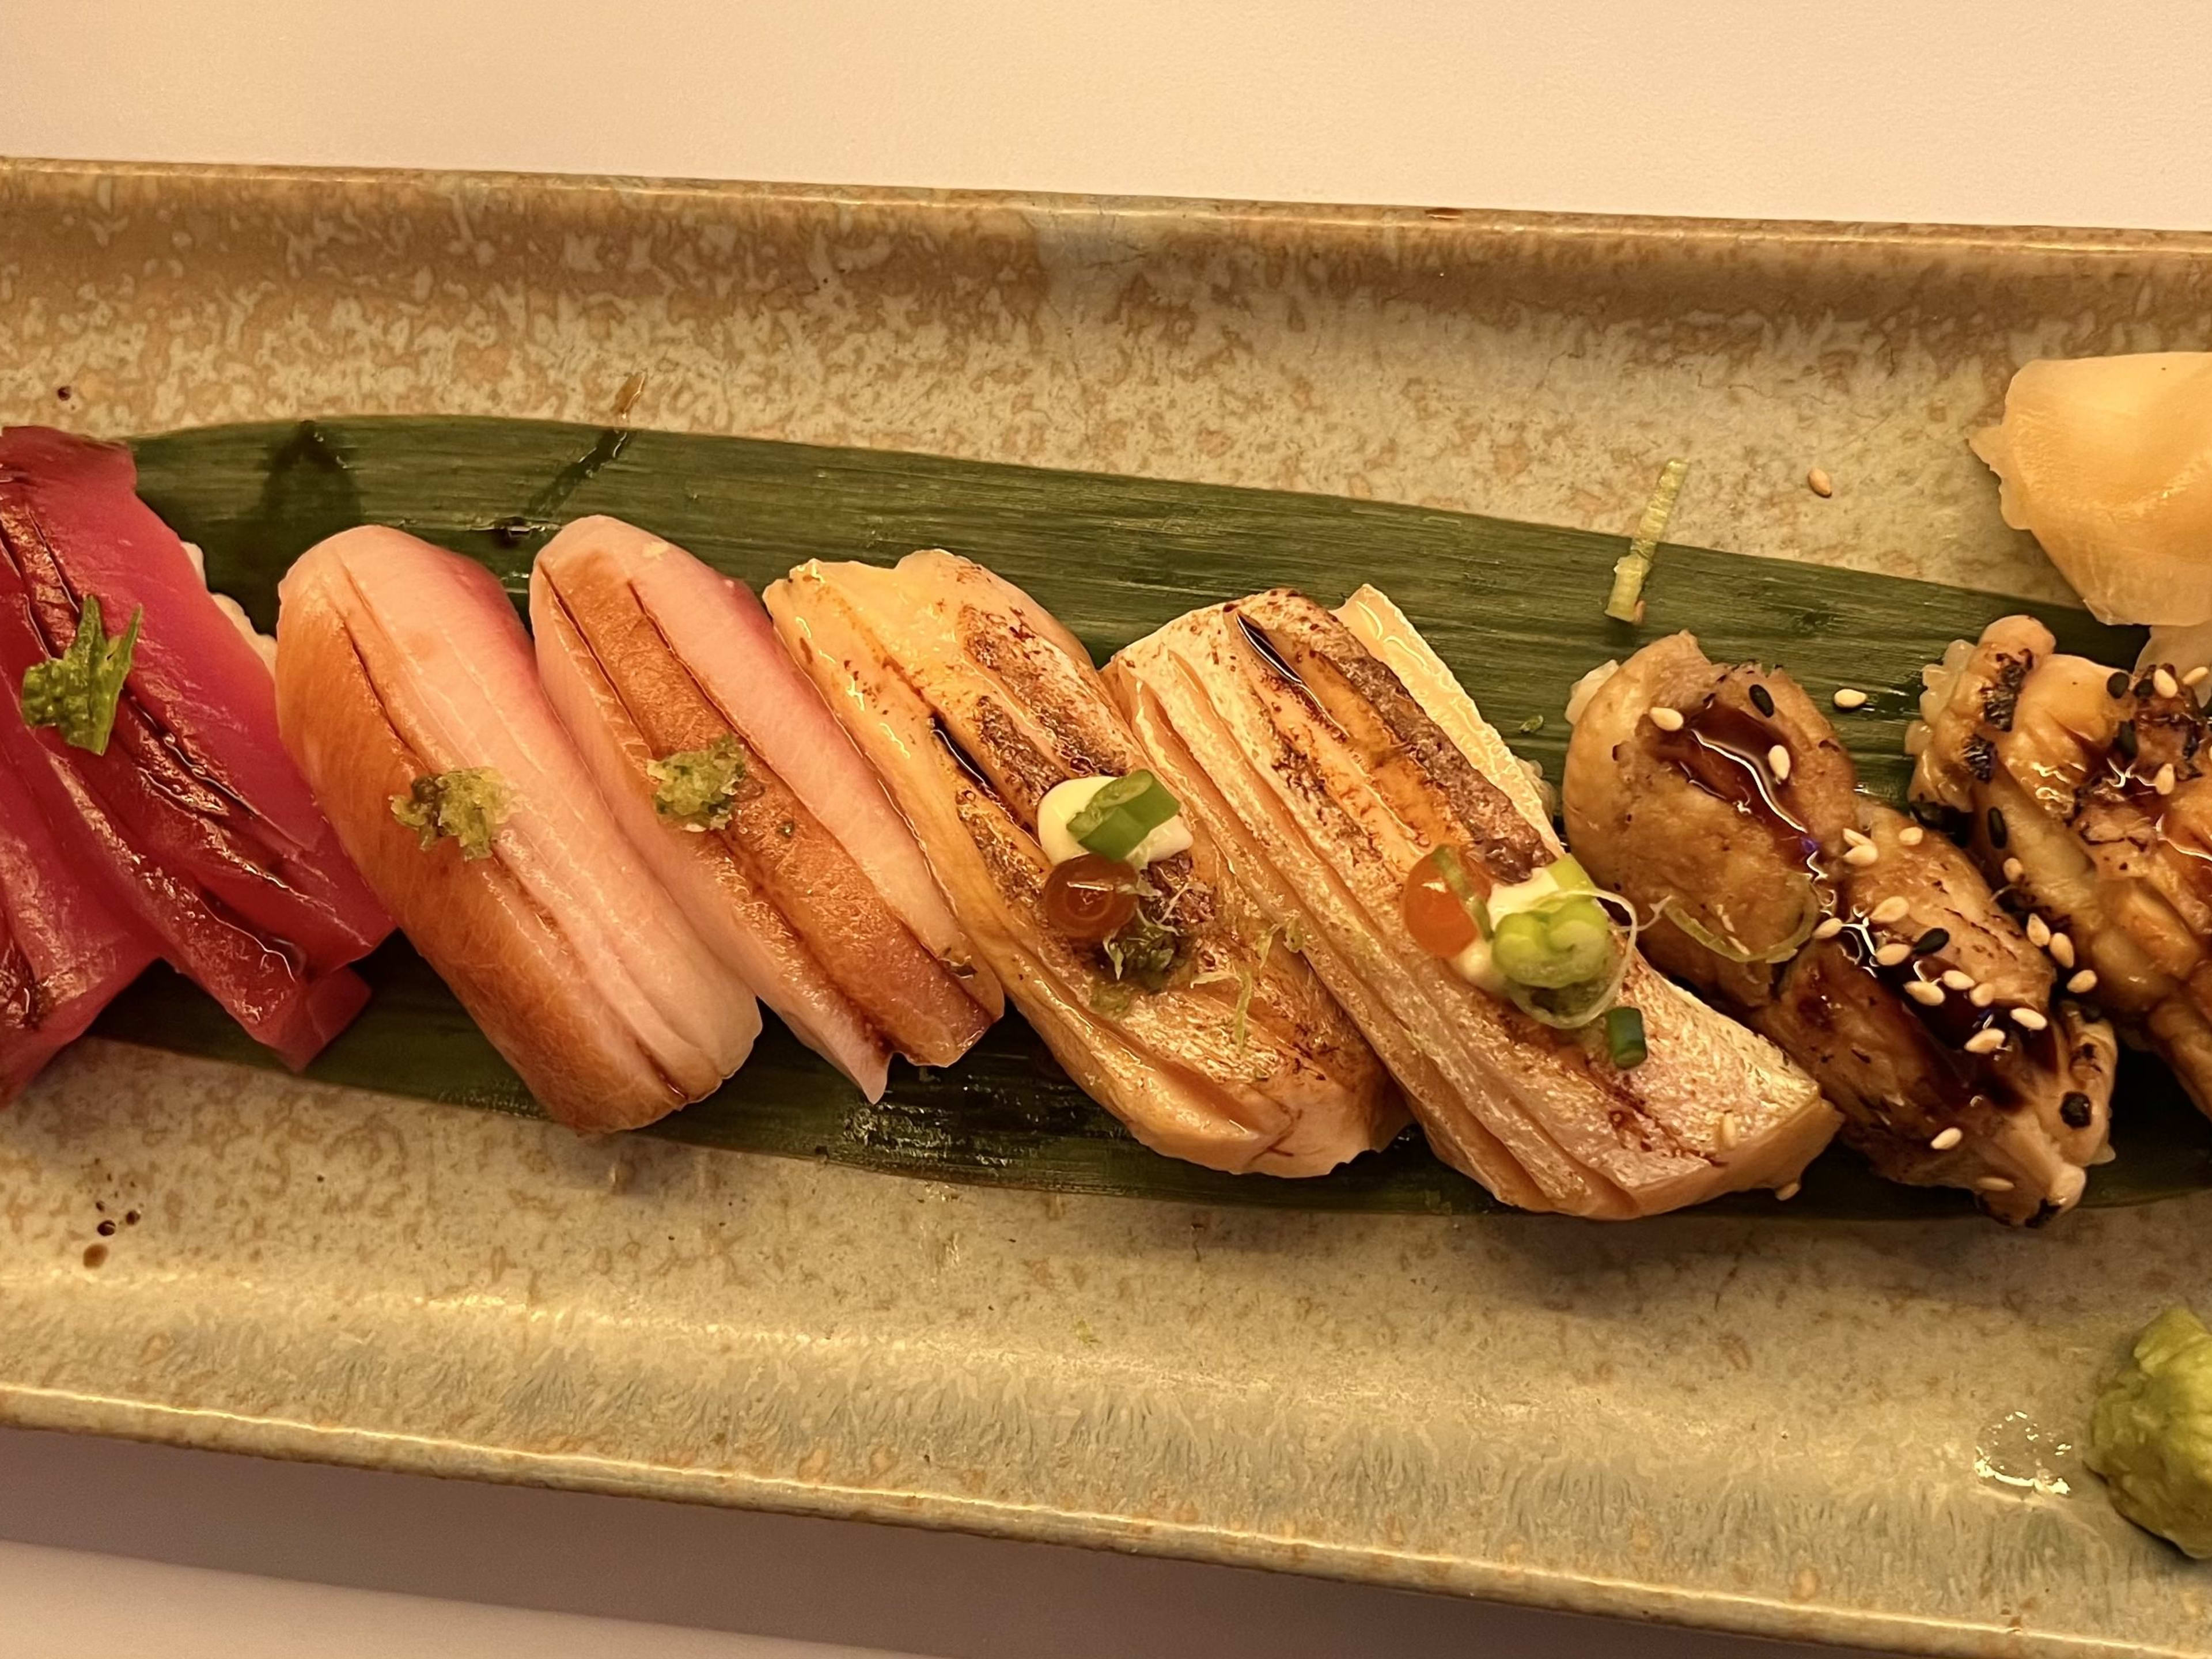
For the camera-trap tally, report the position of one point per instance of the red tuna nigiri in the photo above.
(406, 689)
(190, 818)
(805, 882)
(65, 953)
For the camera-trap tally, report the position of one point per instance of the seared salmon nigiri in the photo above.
(1344, 769)
(406, 689)
(1719, 801)
(1117, 925)
(724, 766)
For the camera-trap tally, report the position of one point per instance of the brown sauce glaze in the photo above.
(1722, 751)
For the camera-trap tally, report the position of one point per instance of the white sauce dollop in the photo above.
(1473, 964)
(1063, 801)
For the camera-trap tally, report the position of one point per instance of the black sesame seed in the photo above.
(1931, 941)
(1763, 700)
(1998, 834)
(2075, 1109)
(2145, 686)
(2117, 686)
(2124, 739)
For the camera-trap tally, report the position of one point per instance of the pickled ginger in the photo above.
(2108, 460)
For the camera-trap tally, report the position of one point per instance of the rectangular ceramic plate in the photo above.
(1858, 1432)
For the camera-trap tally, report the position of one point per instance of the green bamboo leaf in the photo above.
(1514, 608)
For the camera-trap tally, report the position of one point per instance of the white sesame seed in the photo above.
(1950, 1138)
(2061, 949)
(2013, 870)
(1820, 483)
(1992, 1184)
(2168, 685)
(1829, 929)
(1850, 696)
(1728, 1130)
(1890, 955)
(1783, 1195)
(2028, 1020)
(1982, 995)
(2038, 931)
(1957, 979)
(1890, 909)
(1857, 838)
(2083, 982)
(1666, 719)
(2196, 677)
(1925, 991)
(1860, 857)
(1912, 836)
(1987, 1041)
(1777, 760)
(2162, 780)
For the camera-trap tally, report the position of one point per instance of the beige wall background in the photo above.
(2046, 111)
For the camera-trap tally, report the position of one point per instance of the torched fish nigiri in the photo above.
(1169, 994)
(1343, 766)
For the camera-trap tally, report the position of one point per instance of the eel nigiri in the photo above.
(1718, 800)
(158, 767)
(1341, 765)
(406, 687)
(1169, 994)
(65, 951)
(742, 793)
(2083, 789)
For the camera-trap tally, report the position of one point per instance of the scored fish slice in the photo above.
(398, 661)
(973, 704)
(813, 890)
(1336, 752)
(64, 952)
(193, 823)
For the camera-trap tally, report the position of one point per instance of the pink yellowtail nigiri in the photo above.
(723, 765)
(406, 687)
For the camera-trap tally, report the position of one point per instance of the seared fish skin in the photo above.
(398, 661)
(1747, 864)
(1332, 753)
(812, 890)
(974, 702)
(2083, 789)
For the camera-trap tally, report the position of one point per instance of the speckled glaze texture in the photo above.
(1860, 1433)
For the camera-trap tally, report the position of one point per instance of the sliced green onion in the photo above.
(1625, 602)
(1568, 1006)
(1581, 939)
(1728, 948)
(1567, 871)
(1115, 822)
(1551, 946)
(1624, 1036)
